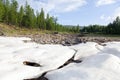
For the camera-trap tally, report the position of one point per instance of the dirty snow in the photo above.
(98, 62)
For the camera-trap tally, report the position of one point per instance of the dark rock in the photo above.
(55, 32)
(77, 61)
(80, 35)
(71, 41)
(77, 41)
(67, 43)
(31, 64)
(102, 44)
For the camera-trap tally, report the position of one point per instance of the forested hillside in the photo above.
(111, 28)
(28, 18)
(25, 17)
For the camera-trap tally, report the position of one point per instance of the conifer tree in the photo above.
(7, 10)
(20, 16)
(13, 15)
(1, 10)
(41, 17)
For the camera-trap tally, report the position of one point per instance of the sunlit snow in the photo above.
(13, 52)
(98, 62)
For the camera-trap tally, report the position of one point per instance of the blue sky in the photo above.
(82, 12)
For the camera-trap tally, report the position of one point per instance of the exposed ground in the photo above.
(49, 37)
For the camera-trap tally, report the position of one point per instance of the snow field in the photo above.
(98, 62)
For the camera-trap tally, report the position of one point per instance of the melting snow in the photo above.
(98, 62)
(13, 52)
(97, 67)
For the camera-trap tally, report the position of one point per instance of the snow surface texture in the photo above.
(98, 62)
(13, 52)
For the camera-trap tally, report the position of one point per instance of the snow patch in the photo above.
(97, 67)
(13, 52)
(85, 50)
(98, 62)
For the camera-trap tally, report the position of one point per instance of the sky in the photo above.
(82, 12)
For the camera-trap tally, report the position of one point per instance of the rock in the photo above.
(67, 42)
(63, 42)
(71, 41)
(77, 41)
(80, 35)
(67, 39)
(55, 32)
(27, 41)
(31, 64)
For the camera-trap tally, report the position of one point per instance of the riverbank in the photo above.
(51, 37)
(67, 39)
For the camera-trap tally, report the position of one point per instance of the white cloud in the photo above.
(55, 5)
(106, 18)
(105, 2)
(68, 5)
(112, 17)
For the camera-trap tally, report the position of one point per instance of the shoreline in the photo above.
(66, 39)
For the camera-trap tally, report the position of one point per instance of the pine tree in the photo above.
(28, 17)
(47, 22)
(25, 17)
(13, 13)
(7, 10)
(1, 10)
(41, 20)
(20, 17)
(51, 23)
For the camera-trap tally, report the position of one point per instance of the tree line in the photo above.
(111, 28)
(26, 17)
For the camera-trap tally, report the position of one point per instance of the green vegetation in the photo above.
(25, 17)
(111, 29)
(12, 30)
